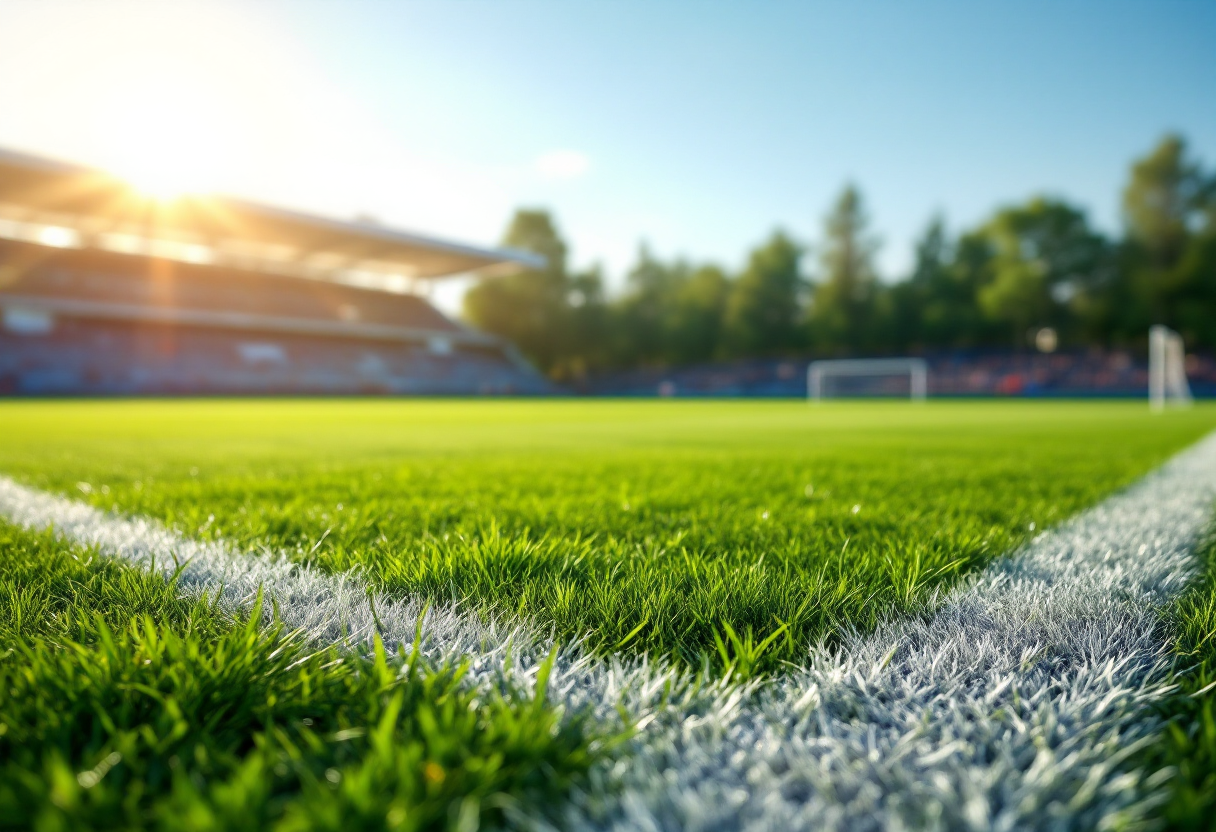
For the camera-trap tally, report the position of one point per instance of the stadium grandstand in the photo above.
(104, 290)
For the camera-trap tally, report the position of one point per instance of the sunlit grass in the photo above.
(125, 705)
(1188, 746)
(687, 529)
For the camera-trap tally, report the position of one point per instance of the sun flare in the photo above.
(167, 137)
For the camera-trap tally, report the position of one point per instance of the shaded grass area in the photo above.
(735, 530)
(125, 706)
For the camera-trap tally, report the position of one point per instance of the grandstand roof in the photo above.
(60, 204)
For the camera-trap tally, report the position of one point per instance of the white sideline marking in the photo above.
(331, 609)
(1012, 706)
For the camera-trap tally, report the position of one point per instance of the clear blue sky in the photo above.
(696, 126)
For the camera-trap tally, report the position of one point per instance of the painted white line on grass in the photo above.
(330, 609)
(1011, 707)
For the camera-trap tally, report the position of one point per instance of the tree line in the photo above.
(1035, 266)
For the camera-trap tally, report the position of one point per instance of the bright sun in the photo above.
(168, 137)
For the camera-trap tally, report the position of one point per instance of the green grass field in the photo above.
(1189, 744)
(687, 530)
(125, 706)
(675, 528)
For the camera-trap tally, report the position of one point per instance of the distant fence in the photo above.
(1094, 373)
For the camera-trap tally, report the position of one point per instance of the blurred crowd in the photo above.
(1089, 373)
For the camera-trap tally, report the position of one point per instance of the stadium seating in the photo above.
(85, 357)
(88, 353)
(117, 278)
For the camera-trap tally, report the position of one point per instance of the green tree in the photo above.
(922, 307)
(588, 323)
(671, 313)
(640, 319)
(1045, 259)
(696, 320)
(764, 309)
(555, 318)
(1164, 192)
(964, 324)
(1194, 313)
(1018, 292)
(1166, 266)
(1036, 264)
(844, 303)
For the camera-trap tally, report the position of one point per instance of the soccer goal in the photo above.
(915, 369)
(1167, 384)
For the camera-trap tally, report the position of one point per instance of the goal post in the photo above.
(917, 370)
(1167, 384)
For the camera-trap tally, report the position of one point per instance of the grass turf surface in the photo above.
(126, 706)
(686, 529)
(1188, 747)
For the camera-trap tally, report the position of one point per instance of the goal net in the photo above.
(1167, 384)
(835, 377)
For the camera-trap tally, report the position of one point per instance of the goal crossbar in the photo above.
(917, 370)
